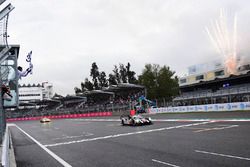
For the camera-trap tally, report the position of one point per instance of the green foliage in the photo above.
(117, 74)
(88, 85)
(94, 73)
(112, 80)
(83, 87)
(123, 73)
(102, 80)
(131, 75)
(77, 90)
(148, 78)
(160, 82)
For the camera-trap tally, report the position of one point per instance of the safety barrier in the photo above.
(94, 114)
(204, 108)
(5, 149)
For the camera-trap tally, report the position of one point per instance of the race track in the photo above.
(177, 140)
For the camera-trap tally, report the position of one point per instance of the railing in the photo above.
(4, 53)
(221, 92)
(6, 146)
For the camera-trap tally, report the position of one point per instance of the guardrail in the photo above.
(6, 146)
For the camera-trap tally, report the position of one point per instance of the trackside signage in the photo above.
(93, 114)
(204, 108)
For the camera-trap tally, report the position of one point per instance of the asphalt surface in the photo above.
(104, 142)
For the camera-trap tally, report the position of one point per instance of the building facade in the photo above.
(35, 92)
(211, 71)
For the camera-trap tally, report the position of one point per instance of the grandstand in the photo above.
(117, 98)
(214, 85)
(125, 92)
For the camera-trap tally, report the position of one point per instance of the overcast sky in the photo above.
(66, 37)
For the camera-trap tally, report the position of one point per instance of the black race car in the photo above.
(135, 120)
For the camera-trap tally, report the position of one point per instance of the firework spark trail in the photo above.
(225, 41)
(225, 32)
(222, 31)
(219, 36)
(235, 35)
(213, 41)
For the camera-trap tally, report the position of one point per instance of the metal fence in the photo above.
(4, 72)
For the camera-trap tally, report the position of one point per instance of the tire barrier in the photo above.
(65, 116)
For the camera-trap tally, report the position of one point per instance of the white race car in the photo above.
(135, 120)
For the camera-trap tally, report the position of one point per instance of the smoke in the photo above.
(224, 40)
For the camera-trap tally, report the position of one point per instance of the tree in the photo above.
(117, 74)
(83, 89)
(57, 95)
(168, 83)
(88, 85)
(94, 73)
(102, 80)
(99, 79)
(123, 73)
(160, 82)
(149, 79)
(77, 90)
(112, 80)
(130, 75)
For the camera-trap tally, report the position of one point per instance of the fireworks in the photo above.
(225, 41)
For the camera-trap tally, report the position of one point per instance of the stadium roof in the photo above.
(123, 86)
(45, 101)
(114, 88)
(74, 97)
(38, 102)
(26, 104)
(94, 92)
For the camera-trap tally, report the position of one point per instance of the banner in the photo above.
(204, 108)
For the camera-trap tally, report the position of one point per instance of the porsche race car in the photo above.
(135, 120)
(45, 120)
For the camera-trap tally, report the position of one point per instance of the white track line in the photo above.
(168, 120)
(60, 160)
(165, 163)
(201, 120)
(221, 128)
(98, 120)
(223, 155)
(126, 134)
(71, 137)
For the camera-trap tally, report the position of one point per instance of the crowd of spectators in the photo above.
(238, 93)
(120, 102)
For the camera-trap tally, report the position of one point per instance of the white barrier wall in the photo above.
(205, 108)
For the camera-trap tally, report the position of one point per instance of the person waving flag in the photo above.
(29, 70)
